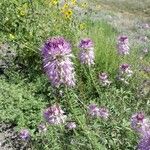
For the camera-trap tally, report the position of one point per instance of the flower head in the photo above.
(144, 143)
(140, 124)
(86, 44)
(24, 134)
(93, 110)
(86, 54)
(71, 125)
(125, 69)
(96, 111)
(103, 112)
(103, 77)
(123, 45)
(59, 68)
(124, 73)
(42, 127)
(67, 11)
(56, 47)
(54, 115)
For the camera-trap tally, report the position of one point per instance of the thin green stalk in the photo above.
(94, 82)
(81, 125)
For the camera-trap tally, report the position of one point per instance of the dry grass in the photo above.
(135, 7)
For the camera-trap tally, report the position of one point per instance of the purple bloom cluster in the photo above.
(54, 115)
(59, 68)
(124, 73)
(96, 111)
(123, 45)
(125, 69)
(42, 128)
(86, 54)
(103, 77)
(24, 134)
(144, 144)
(71, 125)
(140, 124)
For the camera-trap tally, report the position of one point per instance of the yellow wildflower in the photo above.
(68, 13)
(82, 26)
(66, 6)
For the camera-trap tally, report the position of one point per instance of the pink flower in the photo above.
(59, 68)
(96, 111)
(140, 124)
(42, 128)
(144, 143)
(71, 125)
(103, 112)
(93, 110)
(123, 45)
(86, 43)
(103, 77)
(86, 54)
(24, 134)
(125, 69)
(54, 115)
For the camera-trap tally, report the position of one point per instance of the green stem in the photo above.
(94, 84)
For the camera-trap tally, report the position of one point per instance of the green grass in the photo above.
(25, 90)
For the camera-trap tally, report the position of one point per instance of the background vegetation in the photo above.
(25, 90)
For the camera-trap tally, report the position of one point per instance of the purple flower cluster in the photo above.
(141, 124)
(59, 68)
(124, 73)
(144, 143)
(103, 77)
(95, 111)
(123, 45)
(71, 125)
(125, 69)
(54, 115)
(24, 134)
(86, 54)
(42, 128)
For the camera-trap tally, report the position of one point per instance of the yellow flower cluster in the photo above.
(67, 11)
(82, 26)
